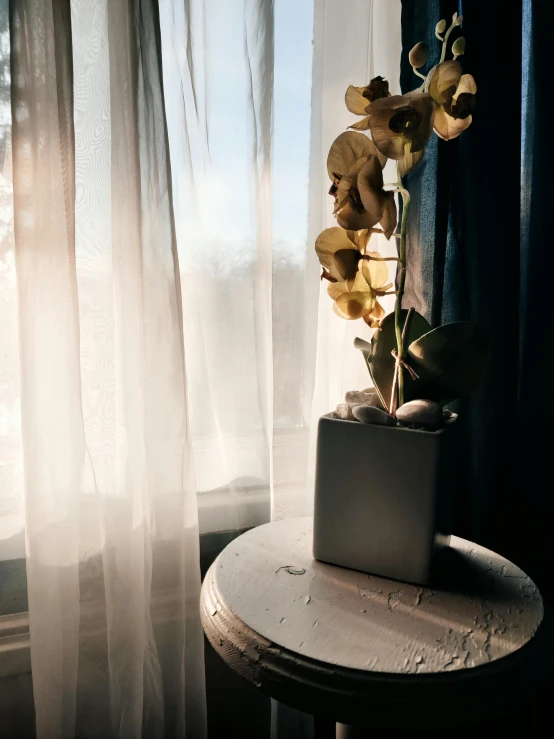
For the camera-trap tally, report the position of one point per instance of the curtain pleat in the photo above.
(218, 75)
(111, 522)
(459, 244)
(535, 392)
(52, 423)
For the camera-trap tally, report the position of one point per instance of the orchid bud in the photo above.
(457, 19)
(441, 26)
(459, 46)
(419, 54)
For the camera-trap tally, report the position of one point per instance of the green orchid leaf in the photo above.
(379, 358)
(450, 360)
(365, 348)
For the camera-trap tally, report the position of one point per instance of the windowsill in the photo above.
(14, 627)
(240, 504)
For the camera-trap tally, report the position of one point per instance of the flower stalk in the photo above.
(399, 128)
(456, 21)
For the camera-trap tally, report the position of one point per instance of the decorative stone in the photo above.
(369, 414)
(332, 414)
(423, 413)
(345, 411)
(362, 397)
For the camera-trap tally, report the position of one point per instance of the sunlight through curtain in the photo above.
(167, 346)
(110, 511)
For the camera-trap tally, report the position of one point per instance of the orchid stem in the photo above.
(415, 71)
(398, 365)
(381, 259)
(401, 284)
(445, 41)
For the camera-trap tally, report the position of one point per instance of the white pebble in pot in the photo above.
(362, 397)
(424, 413)
(344, 411)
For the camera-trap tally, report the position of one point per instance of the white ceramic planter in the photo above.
(383, 497)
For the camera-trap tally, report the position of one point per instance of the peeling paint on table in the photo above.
(276, 613)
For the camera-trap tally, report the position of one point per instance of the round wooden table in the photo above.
(370, 652)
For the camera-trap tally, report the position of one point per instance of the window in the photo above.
(244, 311)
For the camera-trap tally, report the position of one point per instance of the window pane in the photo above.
(291, 149)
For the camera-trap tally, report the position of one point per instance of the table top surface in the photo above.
(270, 587)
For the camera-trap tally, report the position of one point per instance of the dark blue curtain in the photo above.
(479, 250)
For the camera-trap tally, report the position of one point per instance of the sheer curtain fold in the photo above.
(111, 520)
(218, 78)
(259, 57)
(52, 424)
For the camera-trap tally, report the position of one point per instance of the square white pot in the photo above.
(383, 497)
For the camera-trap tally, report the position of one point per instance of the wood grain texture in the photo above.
(336, 642)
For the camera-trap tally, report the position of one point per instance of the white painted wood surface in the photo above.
(270, 581)
(348, 645)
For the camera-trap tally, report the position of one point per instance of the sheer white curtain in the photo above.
(166, 340)
(237, 85)
(250, 190)
(109, 497)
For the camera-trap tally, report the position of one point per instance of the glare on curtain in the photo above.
(237, 82)
(254, 321)
(110, 510)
